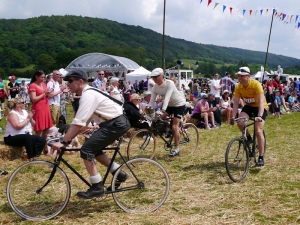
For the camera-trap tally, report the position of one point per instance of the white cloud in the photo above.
(185, 19)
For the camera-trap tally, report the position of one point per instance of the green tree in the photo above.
(44, 62)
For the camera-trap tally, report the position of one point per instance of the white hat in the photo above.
(243, 71)
(9, 77)
(157, 72)
(146, 93)
(225, 91)
(114, 79)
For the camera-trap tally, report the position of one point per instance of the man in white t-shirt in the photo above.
(54, 96)
(215, 88)
(173, 103)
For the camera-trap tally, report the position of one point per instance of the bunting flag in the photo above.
(224, 7)
(283, 17)
(216, 5)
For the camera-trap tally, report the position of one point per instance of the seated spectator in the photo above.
(215, 108)
(225, 106)
(19, 130)
(132, 108)
(202, 111)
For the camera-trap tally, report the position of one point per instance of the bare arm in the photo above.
(235, 105)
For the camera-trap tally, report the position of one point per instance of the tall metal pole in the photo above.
(268, 45)
(163, 39)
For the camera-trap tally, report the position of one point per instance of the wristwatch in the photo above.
(61, 140)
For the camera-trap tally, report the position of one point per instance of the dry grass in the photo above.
(201, 192)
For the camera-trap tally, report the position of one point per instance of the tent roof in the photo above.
(140, 71)
(96, 61)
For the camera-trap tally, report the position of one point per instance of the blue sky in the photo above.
(185, 19)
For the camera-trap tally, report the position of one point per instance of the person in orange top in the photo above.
(252, 93)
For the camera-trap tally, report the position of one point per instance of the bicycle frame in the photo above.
(60, 159)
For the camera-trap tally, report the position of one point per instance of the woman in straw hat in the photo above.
(19, 130)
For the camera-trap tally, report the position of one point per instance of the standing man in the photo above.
(136, 86)
(100, 81)
(228, 83)
(54, 96)
(2, 95)
(252, 93)
(173, 103)
(215, 88)
(112, 122)
(13, 87)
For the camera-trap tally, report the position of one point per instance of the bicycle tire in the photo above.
(237, 160)
(189, 139)
(22, 186)
(140, 145)
(147, 195)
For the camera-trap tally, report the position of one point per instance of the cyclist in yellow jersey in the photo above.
(252, 93)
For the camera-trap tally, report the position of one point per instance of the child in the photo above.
(277, 104)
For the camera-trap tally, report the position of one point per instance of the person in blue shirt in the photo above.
(277, 103)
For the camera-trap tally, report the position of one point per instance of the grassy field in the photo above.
(201, 192)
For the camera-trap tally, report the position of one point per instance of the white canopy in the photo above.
(259, 75)
(138, 74)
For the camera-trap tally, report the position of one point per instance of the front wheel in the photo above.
(236, 160)
(141, 145)
(29, 201)
(189, 139)
(146, 188)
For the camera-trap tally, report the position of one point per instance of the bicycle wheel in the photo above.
(189, 139)
(141, 145)
(146, 188)
(236, 160)
(27, 201)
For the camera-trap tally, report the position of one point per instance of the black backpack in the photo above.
(131, 114)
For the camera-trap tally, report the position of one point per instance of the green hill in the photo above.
(53, 42)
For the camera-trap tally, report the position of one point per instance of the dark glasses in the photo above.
(71, 80)
(243, 71)
(100, 73)
(153, 77)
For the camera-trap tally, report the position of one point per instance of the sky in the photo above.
(185, 19)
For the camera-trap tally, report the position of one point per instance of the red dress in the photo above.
(42, 114)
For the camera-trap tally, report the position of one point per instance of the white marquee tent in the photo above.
(138, 74)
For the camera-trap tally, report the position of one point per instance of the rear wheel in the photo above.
(189, 139)
(236, 160)
(146, 188)
(141, 145)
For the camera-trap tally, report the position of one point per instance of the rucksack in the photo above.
(129, 113)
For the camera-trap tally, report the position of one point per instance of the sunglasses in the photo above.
(243, 71)
(20, 102)
(153, 77)
(71, 80)
(100, 73)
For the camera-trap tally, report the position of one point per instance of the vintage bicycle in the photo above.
(40, 190)
(143, 142)
(239, 154)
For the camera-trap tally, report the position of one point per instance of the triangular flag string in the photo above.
(284, 17)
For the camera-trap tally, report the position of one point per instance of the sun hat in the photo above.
(225, 91)
(243, 71)
(156, 72)
(78, 73)
(114, 79)
(146, 93)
